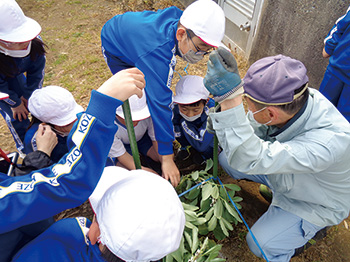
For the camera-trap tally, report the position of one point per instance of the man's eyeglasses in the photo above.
(198, 51)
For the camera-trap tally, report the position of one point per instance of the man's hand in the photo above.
(124, 84)
(46, 139)
(170, 170)
(222, 79)
(20, 112)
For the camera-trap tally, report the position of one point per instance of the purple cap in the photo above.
(273, 80)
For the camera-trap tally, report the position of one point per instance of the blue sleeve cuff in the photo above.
(165, 148)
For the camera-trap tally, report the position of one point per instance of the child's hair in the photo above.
(33, 121)
(8, 65)
(109, 256)
(196, 103)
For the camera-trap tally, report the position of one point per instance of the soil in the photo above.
(71, 30)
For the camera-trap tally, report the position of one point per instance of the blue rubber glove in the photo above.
(222, 78)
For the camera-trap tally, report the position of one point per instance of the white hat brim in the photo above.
(28, 31)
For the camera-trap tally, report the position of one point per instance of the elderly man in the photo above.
(293, 140)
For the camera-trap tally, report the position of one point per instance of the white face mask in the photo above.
(190, 118)
(16, 53)
(191, 55)
(251, 117)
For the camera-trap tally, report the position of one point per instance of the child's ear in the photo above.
(180, 33)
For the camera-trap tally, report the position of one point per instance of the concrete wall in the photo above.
(296, 28)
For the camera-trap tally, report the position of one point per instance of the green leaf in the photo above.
(195, 175)
(189, 207)
(209, 214)
(203, 230)
(212, 223)
(188, 239)
(206, 191)
(237, 199)
(233, 187)
(190, 216)
(218, 208)
(223, 193)
(193, 193)
(189, 225)
(205, 205)
(214, 249)
(188, 184)
(169, 258)
(232, 212)
(194, 202)
(215, 192)
(205, 243)
(227, 224)
(223, 228)
(195, 242)
(209, 165)
(218, 234)
(201, 221)
(229, 217)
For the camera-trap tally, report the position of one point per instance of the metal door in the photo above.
(242, 17)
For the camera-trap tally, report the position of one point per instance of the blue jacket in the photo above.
(147, 40)
(65, 240)
(194, 133)
(337, 45)
(67, 184)
(306, 161)
(34, 79)
(30, 144)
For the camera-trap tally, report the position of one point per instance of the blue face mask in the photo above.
(190, 118)
(251, 117)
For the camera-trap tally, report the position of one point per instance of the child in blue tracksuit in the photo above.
(131, 223)
(336, 81)
(55, 106)
(191, 105)
(43, 193)
(150, 41)
(21, 52)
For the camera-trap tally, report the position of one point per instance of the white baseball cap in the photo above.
(54, 105)
(138, 107)
(139, 214)
(190, 89)
(14, 25)
(207, 21)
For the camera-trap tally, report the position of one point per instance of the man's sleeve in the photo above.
(67, 184)
(335, 34)
(250, 154)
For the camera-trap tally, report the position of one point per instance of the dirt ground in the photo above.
(71, 30)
